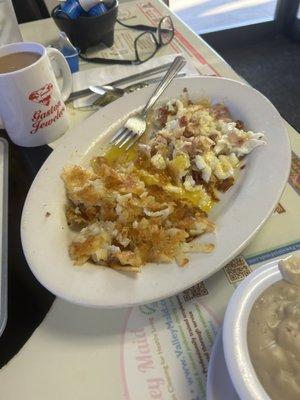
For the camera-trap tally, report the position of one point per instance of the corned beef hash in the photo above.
(150, 203)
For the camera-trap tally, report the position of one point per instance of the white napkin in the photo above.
(101, 76)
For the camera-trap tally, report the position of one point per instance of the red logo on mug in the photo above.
(42, 95)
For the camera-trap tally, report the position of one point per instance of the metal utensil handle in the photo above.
(176, 66)
(122, 81)
(147, 82)
(134, 86)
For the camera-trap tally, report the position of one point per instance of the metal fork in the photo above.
(135, 126)
(110, 96)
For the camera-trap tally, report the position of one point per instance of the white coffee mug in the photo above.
(32, 106)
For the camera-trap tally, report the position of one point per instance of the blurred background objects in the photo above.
(211, 15)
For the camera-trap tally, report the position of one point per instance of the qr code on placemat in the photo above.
(279, 209)
(237, 269)
(198, 290)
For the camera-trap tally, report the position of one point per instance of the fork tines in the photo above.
(122, 137)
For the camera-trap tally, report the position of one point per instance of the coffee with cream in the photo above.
(15, 61)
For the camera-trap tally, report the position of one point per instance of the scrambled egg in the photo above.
(150, 203)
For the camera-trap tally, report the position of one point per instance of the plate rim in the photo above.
(4, 239)
(214, 359)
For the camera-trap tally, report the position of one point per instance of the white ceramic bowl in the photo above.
(235, 324)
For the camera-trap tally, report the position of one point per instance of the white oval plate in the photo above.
(239, 215)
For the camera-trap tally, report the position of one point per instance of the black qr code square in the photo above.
(237, 269)
(198, 290)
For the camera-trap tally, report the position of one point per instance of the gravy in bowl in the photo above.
(274, 334)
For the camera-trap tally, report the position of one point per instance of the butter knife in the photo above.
(109, 97)
(131, 78)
